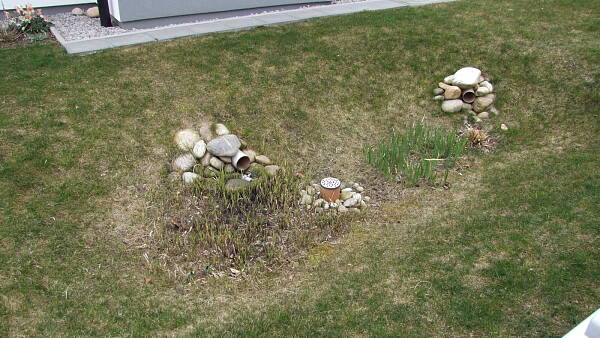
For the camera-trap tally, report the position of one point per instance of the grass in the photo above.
(420, 153)
(509, 250)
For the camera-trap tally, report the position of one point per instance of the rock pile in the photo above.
(351, 199)
(212, 149)
(469, 92)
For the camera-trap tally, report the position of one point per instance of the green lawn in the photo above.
(511, 249)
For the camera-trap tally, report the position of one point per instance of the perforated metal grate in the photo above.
(330, 183)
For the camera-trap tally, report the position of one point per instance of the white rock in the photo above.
(93, 12)
(216, 163)
(346, 189)
(318, 202)
(77, 11)
(449, 79)
(184, 162)
(504, 127)
(350, 202)
(452, 106)
(326, 206)
(357, 197)
(482, 102)
(342, 209)
(487, 84)
(363, 204)
(190, 177)
(366, 198)
(186, 139)
(467, 77)
(221, 130)
(199, 149)
(483, 115)
(333, 205)
(360, 189)
(346, 195)
(482, 91)
(306, 199)
(438, 98)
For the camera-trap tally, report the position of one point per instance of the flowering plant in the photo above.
(28, 20)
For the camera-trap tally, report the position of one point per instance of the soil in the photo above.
(23, 41)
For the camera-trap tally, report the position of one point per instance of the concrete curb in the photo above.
(228, 25)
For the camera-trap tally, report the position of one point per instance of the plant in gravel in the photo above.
(421, 153)
(28, 20)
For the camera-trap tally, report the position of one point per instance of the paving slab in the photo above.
(230, 24)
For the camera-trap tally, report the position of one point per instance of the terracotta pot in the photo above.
(330, 189)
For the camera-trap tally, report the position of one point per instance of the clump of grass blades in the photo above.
(257, 225)
(422, 153)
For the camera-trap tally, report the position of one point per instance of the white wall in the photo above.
(10, 4)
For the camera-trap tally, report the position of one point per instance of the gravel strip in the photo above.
(80, 27)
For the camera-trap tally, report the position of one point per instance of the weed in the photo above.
(419, 154)
(258, 223)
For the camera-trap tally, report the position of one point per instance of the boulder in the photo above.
(482, 102)
(467, 77)
(226, 145)
(93, 12)
(452, 106)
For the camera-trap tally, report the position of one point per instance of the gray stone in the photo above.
(467, 77)
(216, 163)
(342, 209)
(229, 168)
(366, 198)
(482, 102)
(482, 91)
(272, 169)
(452, 106)
(221, 130)
(226, 145)
(235, 184)
(205, 131)
(438, 98)
(483, 115)
(77, 11)
(438, 91)
(262, 159)
(467, 106)
(205, 161)
(360, 189)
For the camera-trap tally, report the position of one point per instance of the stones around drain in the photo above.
(226, 145)
(351, 199)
